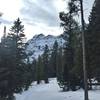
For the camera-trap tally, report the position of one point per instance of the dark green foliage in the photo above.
(72, 75)
(14, 71)
(72, 68)
(18, 54)
(93, 42)
(33, 67)
(39, 70)
(46, 63)
(60, 65)
(53, 60)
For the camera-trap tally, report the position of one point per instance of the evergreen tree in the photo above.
(46, 63)
(92, 42)
(34, 63)
(12, 59)
(53, 59)
(39, 70)
(17, 36)
(59, 63)
(70, 78)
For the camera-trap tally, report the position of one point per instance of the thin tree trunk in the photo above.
(84, 56)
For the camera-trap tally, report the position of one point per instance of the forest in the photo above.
(66, 63)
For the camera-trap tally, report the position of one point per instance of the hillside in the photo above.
(35, 46)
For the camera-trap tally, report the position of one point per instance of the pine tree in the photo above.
(34, 63)
(70, 29)
(53, 59)
(92, 42)
(46, 63)
(17, 36)
(39, 70)
(60, 68)
(12, 55)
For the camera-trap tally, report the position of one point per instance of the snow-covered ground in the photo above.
(52, 91)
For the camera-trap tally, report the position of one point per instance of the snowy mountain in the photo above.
(35, 46)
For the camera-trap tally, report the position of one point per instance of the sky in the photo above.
(38, 16)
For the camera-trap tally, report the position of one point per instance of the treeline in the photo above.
(54, 62)
(66, 63)
(46, 64)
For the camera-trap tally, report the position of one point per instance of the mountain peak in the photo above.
(36, 45)
(39, 36)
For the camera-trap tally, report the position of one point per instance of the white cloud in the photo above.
(42, 16)
(41, 28)
(60, 5)
(10, 8)
(44, 21)
(40, 12)
(38, 16)
(87, 8)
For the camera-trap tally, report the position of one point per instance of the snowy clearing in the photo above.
(52, 91)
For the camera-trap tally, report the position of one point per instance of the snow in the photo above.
(52, 91)
(36, 45)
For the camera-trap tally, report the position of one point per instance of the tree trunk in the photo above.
(46, 80)
(11, 97)
(38, 81)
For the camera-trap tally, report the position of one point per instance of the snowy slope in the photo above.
(35, 46)
(52, 91)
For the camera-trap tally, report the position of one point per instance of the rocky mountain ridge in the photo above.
(35, 46)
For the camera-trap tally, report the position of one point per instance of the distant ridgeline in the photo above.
(36, 45)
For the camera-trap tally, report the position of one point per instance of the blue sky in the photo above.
(38, 16)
